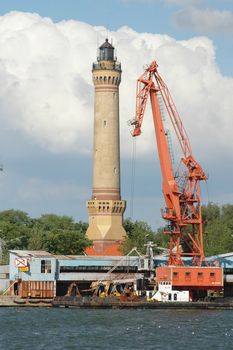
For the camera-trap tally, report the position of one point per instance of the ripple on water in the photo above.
(35, 328)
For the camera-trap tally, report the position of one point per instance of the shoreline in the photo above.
(7, 301)
(110, 303)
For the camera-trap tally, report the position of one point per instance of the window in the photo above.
(73, 269)
(187, 276)
(212, 276)
(45, 266)
(142, 262)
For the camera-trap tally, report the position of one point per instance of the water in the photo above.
(45, 328)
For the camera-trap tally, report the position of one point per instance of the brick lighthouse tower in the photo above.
(106, 208)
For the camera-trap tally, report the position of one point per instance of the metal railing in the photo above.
(100, 65)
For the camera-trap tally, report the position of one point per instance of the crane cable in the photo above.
(133, 159)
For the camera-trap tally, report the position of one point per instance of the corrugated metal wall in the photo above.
(36, 289)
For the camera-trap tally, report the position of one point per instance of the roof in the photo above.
(95, 257)
(219, 256)
(43, 253)
(32, 253)
(106, 44)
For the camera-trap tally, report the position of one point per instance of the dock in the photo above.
(112, 303)
(7, 301)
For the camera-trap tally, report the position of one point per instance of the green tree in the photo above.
(210, 212)
(68, 242)
(218, 228)
(49, 222)
(161, 239)
(60, 234)
(56, 234)
(227, 215)
(138, 233)
(15, 227)
(218, 239)
(16, 217)
(37, 238)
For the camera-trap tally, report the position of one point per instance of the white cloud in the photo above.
(45, 80)
(46, 91)
(205, 20)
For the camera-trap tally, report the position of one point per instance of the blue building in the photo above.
(39, 274)
(4, 277)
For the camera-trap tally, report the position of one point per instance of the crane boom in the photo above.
(181, 189)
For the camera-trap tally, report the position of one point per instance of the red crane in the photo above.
(181, 188)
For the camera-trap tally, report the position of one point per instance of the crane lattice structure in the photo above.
(181, 186)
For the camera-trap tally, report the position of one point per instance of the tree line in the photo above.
(62, 235)
(53, 233)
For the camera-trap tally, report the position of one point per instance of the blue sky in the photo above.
(47, 170)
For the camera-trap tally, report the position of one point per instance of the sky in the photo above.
(47, 48)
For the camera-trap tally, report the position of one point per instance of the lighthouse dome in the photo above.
(106, 52)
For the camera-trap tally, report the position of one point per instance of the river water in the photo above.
(55, 329)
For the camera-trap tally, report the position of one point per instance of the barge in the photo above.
(114, 303)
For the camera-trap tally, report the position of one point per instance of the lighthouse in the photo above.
(106, 207)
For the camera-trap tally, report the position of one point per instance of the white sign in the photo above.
(21, 262)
